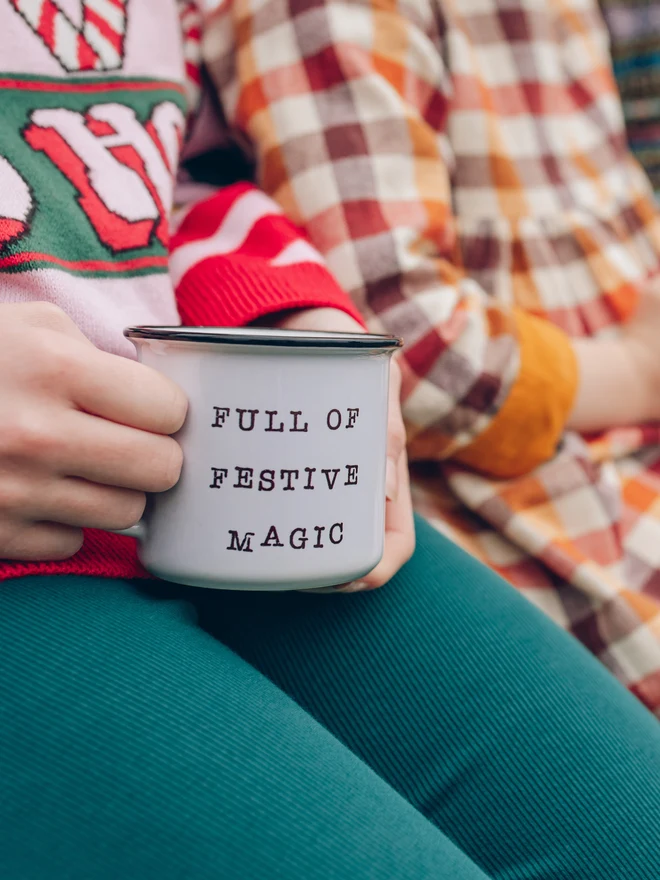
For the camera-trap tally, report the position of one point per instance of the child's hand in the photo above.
(620, 378)
(83, 435)
(399, 528)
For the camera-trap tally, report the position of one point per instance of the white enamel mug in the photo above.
(284, 455)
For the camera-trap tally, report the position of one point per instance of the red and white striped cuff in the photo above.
(235, 258)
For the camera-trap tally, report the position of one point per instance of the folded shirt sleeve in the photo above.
(530, 422)
(346, 105)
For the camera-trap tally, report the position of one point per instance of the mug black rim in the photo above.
(267, 337)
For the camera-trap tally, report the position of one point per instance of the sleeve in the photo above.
(234, 258)
(346, 104)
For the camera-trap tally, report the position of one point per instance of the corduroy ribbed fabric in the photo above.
(438, 728)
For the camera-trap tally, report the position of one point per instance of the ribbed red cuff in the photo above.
(102, 555)
(232, 292)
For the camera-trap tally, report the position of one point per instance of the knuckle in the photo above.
(57, 358)
(14, 496)
(48, 315)
(44, 359)
(52, 362)
(27, 436)
(51, 315)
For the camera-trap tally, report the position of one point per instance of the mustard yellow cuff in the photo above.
(526, 430)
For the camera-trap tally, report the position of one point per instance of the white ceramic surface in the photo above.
(283, 482)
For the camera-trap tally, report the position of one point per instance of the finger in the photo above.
(399, 537)
(395, 376)
(128, 393)
(39, 542)
(106, 385)
(396, 435)
(322, 318)
(399, 541)
(79, 503)
(115, 455)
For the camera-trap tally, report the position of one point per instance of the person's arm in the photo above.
(345, 104)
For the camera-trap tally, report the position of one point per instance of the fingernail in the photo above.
(391, 481)
(355, 587)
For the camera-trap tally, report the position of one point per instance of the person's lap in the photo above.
(137, 745)
(496, 725)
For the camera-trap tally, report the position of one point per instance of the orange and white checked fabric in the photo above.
(462, 166)
(579, 537)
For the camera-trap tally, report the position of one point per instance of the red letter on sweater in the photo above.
(118, 166)
(15, 203)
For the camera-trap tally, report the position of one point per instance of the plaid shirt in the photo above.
(462, 166)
